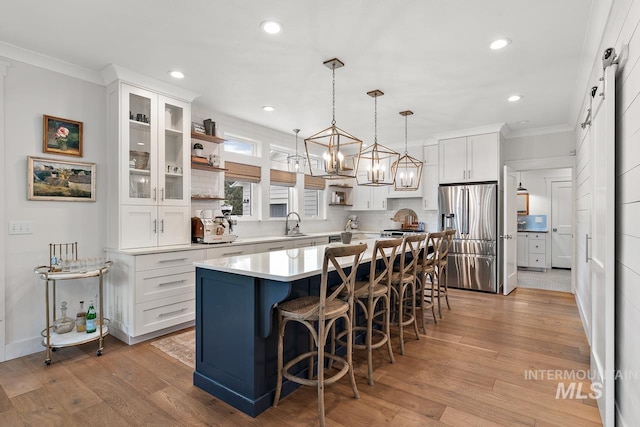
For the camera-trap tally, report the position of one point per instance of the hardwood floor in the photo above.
(469, 370)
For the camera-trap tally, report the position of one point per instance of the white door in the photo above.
(139, 227)
(561, 224)
(510, 232)
(602, 253)
(174, 225)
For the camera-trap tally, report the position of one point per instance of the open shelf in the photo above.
(139, 125)
(339, 204)
(208, 138)
(205, 167)
(173, 132)
(198, 198)
(341, 185)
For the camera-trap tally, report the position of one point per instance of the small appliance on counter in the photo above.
(213, 226)
(352, 222)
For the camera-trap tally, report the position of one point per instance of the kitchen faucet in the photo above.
(295, 230)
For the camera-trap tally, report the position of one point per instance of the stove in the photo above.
(398, 233)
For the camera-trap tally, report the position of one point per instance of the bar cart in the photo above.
(52, 340)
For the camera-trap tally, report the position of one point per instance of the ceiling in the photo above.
(429, 56)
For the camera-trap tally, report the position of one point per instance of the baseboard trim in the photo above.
(23, 348)
(127, 339)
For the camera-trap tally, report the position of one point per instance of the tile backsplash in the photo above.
(532, 223)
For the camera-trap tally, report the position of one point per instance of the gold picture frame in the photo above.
(61, 136)
(61, 180)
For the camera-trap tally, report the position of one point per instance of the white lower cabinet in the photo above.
(148, 295)
(532, 250)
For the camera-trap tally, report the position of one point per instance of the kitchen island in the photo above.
(236, 325)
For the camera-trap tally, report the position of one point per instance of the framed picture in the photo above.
(61, 136)
(61, 180)
(197, 128)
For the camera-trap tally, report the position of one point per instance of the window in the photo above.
(279, 201)
(311, 203)
(238, 194)
(239, 145)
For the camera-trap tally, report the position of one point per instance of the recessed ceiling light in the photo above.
(176, 74)
(268, 108)
(514, 98)
(140, 143)
(499, 44)
(522, 122)
(271, 27)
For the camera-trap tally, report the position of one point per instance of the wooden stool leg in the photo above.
(321, 343)
(421, 297)
(413, 308)
(369, 314)
(439, 293)
(354, 387)
(401, 317)
(281, 324)
(446, 289)
(387, 322)
(433, 301)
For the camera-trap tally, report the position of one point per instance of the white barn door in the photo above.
(602, 244)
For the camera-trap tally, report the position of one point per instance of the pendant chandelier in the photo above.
(340, 150)
(407, 170)
(296, 162)
(376, 160)
(521, 189)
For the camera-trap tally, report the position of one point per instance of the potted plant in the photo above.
(197, 149)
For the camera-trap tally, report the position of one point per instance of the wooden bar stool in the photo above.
(323, 311)
(427, 269)
(441, 267)
(372, 295)
(403, 285)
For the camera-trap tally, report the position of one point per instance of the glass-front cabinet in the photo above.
(158, 157)
(154, 166)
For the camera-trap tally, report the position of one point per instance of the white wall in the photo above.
(622, 32)
(31, 92)
(537, 183)
(559, 144)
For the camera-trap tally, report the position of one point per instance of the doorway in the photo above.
(545, 241)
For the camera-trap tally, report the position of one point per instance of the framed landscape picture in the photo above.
(61, 136)
(61, 180)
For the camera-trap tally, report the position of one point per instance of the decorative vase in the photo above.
(62, 144)
(197, 152)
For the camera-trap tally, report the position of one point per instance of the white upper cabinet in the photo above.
(430, 178)
(149, 134)
(469, 159)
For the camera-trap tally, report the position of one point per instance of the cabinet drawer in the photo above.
(163, 313)
(536, 246)
(537, 236)
(537, 260)
(274, 246)
(168, 259)
(166, 282)
(226, 251)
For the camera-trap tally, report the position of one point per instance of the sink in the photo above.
(295, 235)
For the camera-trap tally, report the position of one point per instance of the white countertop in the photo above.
(237, 242)
(283, 266)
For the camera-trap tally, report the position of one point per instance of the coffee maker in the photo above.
(352, 222)
(212, 226)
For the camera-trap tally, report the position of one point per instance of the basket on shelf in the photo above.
(141, 158)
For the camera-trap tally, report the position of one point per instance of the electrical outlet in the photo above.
(20, 227)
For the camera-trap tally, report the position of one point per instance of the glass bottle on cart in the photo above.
(91, 318)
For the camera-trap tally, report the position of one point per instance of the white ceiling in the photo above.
(429, 56)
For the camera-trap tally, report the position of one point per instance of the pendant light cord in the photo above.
(375, 119)
(405, 135)
(333, 100)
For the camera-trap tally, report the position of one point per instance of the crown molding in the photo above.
(539, 131)
(30, 57)
(4, 66)
(113, 72)
(493, 128)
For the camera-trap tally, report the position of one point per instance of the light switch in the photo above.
(20, 227)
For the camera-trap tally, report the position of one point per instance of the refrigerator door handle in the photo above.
(466, 214)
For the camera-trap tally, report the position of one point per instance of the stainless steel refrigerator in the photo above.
(471, 209)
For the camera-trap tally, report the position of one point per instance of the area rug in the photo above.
(180, 346)
(554, 279)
